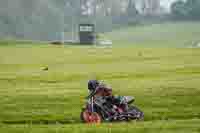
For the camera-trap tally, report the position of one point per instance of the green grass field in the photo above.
(165, 82)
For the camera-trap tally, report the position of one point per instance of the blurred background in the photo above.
(48, 20)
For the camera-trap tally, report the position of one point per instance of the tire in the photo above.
(90, 117)
(139, 115)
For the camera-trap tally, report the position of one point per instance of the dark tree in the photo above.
(186, 10)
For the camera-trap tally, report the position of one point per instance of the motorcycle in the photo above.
(102, 109)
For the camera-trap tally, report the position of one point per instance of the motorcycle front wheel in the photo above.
(90, 117)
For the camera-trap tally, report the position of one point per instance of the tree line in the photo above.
(47, 19)
(186, 10)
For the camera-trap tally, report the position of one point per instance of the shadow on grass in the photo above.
(42, 122)
(78, 121)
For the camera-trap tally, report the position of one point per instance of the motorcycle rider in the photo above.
(94, 86)
(101, 90)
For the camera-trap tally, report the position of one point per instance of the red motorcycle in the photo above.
(107, 108)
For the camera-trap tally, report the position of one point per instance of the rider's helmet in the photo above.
(93, 84)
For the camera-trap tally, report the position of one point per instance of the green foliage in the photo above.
(179, 9)
(186, 10)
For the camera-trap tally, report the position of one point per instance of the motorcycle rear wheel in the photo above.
(139, 115)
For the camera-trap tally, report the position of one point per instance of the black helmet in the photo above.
(93, 84)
